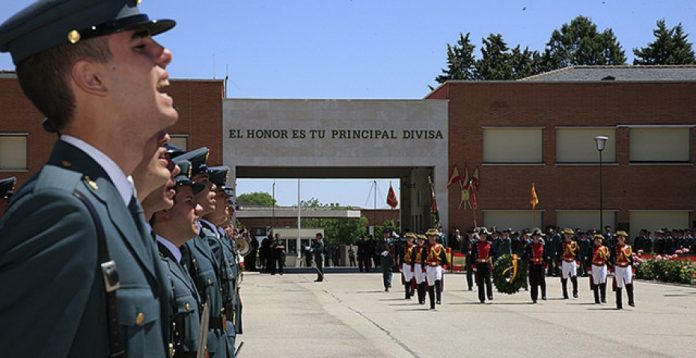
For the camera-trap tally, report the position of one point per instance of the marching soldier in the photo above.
(173, 228)
(434, 262)
(201, 262)
(481, 258)
(318, 250)
(585, 253)
(569, 269)
(467, 244)
(600, 256)
(83, 270)
(419, 252)
(537, 264)
(386, 258)
(623, 273)
(407, 264)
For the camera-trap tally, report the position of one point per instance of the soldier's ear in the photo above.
(87, 77)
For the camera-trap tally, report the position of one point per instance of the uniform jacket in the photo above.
(52, 287)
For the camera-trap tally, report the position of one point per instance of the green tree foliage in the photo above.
(495, 59)
(461, 64)
(336, 231)
(524, 63)
(256, 198)
(670, 47)
(579, 43)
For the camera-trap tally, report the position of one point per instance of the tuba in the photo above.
(243, 246)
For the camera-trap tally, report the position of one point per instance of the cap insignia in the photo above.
(74, 36)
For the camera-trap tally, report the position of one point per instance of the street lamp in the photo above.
(601, 142)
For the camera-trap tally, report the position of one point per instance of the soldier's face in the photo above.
(206, 197)
(186, 211)
(137, 81)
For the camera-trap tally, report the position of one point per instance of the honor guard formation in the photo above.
(423, 260)
(121, 245)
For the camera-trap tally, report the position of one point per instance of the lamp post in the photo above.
(601, 142)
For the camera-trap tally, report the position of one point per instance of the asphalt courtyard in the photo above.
(350, 315)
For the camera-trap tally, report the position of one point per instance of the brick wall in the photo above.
(474, 105)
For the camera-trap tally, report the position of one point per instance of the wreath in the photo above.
(509, 274)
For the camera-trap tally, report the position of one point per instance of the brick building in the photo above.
(538, 130)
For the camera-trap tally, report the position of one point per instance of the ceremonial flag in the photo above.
(534, 200)
(391, 198)
(475, 179)
(467, 180)
(465, 198)
(454, 178)
(474, 202)
(433, 208)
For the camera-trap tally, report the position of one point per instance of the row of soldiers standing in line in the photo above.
(195, 238)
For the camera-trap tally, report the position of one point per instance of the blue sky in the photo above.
(367, 49)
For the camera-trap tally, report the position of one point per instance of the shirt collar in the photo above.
(117, 176)
(171, 247)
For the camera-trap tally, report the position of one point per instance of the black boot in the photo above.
(595, 288)
(564, 284)
(629, 292)
(574, 280)
(421, 293)
(431, 295)
(438, 291)
(543, 291)
(603, 290)
(619, 304)
(407, 294)
(534, 293)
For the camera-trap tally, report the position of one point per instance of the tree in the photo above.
(670, 47)
(579, 43)
(495, 59)
(256, 198)
(524, 63)
(460, 61)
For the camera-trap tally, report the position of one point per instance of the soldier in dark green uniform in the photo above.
(385, 249)
(318, 250)
(74, 241)
(173, 228)
(202, 263)
(224, 251)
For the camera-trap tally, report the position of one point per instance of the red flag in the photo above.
(475, 179)
(474, 202)
(454, 178)
(467, 179)
(391, 198)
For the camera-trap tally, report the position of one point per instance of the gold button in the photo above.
(140, 318)
(188, 307)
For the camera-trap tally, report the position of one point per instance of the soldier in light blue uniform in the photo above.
(173, 228)
(81, 275)
(201, 261)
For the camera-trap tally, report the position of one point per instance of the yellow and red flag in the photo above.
(454, 178)
(534, 200)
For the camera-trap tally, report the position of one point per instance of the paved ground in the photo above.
(350, 315)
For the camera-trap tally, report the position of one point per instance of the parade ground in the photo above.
(350, 315)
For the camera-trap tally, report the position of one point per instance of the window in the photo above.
(514, 219)
(650, 145)
(585, 219)
(179, 140)
(13, 152)
(656, 219)
(577, 145)
(512, 145)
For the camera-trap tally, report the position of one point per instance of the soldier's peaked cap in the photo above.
(49, 23)
(218, 175)
(173, 150)
(184, 176)
(198, 158)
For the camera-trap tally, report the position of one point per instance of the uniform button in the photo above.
(188, 307)
(140, 318)
(210, 281)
